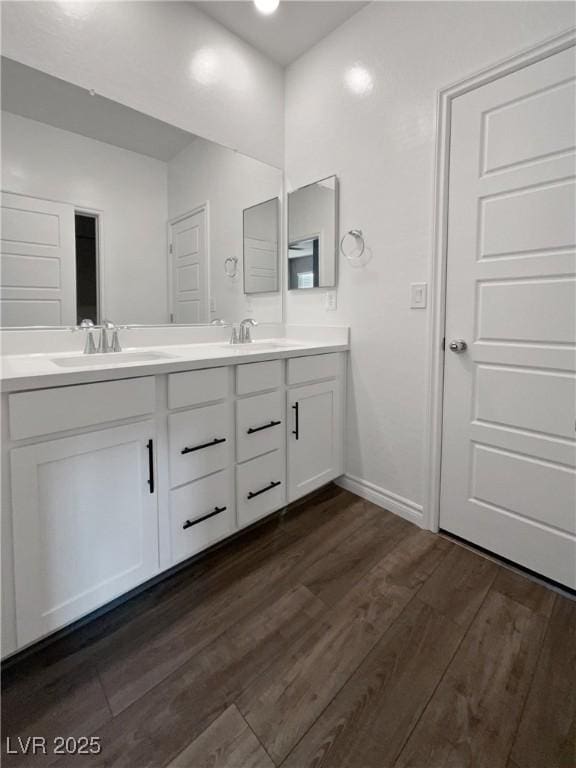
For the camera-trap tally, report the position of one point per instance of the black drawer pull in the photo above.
(252, 495)
(190, 523)
(216, 441)
(266, 426)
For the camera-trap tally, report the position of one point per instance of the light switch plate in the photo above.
(418, 295)
(330, 301)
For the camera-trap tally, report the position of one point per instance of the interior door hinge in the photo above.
(170, 247)
(443, 343)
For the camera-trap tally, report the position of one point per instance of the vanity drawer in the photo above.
(257, 377)
(200, 442)
(260, 487)
(259, 425)
(56, 410)
(197, 387)
(200, 514)
(313, 368)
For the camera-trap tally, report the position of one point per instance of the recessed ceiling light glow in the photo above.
(358, 80)
(267, 6)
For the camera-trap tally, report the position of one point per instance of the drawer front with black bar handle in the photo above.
(260, 487)
(201, 513)
(259, 425)
(200, 442)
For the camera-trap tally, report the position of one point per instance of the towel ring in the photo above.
(234, 270)
(359, 237)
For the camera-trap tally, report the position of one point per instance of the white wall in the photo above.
(166, 59)
(127, 188)
(380, 140)
(229, 182)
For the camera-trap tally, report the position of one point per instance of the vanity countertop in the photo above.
(38, 371)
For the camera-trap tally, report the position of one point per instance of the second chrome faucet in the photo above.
(104, 344)
(243, 335)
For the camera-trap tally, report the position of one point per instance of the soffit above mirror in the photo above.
(38, 96)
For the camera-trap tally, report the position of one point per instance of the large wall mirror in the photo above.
(313, 235)
(108, 213)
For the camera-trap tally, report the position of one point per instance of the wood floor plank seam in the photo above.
(256, 737)
(528, 690)
(438, 683)
(97, 672)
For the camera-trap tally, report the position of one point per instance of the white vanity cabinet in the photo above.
(85, 524)
(112, 482)
(84, 507)
(315, 441)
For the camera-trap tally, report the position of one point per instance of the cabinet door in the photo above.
(85, 523)
(314, 437)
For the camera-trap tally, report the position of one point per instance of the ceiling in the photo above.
(33, 94)
(285, 35)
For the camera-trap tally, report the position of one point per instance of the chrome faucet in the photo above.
(88, 326)
(242, 335)
(105, 346)
(245, 326)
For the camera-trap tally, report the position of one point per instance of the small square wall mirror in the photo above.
(313, 235)
(261, 238)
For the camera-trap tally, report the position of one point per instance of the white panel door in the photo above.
(38, 269)
(189, 268)
(509, 449)
(261, 265)
(85, 524)
(314, 437)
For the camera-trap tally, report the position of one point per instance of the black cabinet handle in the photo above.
(216, 511)
(297, 421)
(150, 447)
(253, 494)
(216, 441)
(265, 426)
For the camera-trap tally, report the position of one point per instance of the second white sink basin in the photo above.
(110, 358)
(256, 346)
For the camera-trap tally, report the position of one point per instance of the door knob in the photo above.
(458, 345)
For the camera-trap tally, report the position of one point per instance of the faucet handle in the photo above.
(116, 346)
(245, 326)
(89, 346)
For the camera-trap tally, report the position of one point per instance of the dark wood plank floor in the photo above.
(336, 635)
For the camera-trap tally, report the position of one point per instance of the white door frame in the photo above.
(205, 208)
(437, 270)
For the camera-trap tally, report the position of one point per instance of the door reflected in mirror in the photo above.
(261, 237)
(109, 212)
(313, 235)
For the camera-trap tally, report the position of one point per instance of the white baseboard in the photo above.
(400, 506)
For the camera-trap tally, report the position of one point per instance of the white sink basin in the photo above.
(110, 358)
(256, 346)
